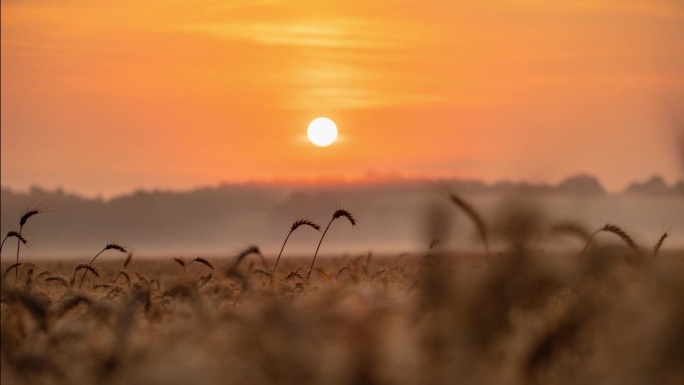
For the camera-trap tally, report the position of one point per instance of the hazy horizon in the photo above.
(222, 220)
(323, 182)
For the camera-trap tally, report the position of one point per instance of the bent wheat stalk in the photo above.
(295, 226)
(474, 217)
(609, 228)
(337, 214)
(111, 246)
(20, 239)
(12, 234)
(198, 259)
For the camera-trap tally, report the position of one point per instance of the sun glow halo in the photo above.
(322, 132)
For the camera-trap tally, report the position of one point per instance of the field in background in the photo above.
(519, 315)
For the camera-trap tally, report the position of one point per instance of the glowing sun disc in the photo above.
(322, 132)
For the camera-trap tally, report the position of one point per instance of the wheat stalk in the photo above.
(124, 274)
(20, 239)
(233, 271)
(294, 274)
(12, 234)
(59, 279)
(337, 214)
(109, 246)
(474, 217)
(659, 244)
(87, 268)
(609, 228)
(622, 234)
(295, 226)
(244, 253)
(11, 267)
(27, 215)
(129, 257)
(198, 259)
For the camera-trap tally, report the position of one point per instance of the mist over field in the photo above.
(219, 221)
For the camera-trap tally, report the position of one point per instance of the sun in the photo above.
(322, 132)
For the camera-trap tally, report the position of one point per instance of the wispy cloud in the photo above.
(327, 33)
(326, 65)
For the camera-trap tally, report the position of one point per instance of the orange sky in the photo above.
(101, 97)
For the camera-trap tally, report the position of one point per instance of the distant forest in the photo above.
(222, 219)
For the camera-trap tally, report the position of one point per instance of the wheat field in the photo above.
(603, 311)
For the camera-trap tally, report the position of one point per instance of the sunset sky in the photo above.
(103, 97)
